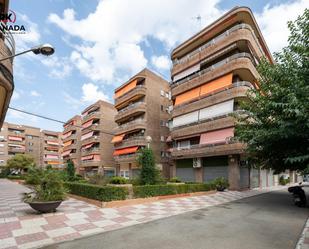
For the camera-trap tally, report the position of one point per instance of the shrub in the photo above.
(101, 193)
(98, 179)
(158, 190)
(221, 183)
(283, 181)
(70, 169)
(34, 176)
(5, 171)
(16, 177)
(118, 180)
(149, 174)
(49, 186)
(175, 179)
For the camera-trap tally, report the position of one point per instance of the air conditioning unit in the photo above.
(197, 162)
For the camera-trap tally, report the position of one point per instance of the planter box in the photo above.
(175, 183)
(136, 201)
(120, 185)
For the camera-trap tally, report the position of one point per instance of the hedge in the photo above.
(96, 192)
(15, 177)
(170, 189)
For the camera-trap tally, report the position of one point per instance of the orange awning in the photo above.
(216, 84)
(125, 151)
(125, 89)
(118, 138)
(68, 143)
(66, 153)
(53, 163)
(65, 135)
(187, 96)
(87, 124)
(52, 143)
(13, 138)
(87, 146)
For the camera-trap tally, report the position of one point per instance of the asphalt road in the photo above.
(265, 221)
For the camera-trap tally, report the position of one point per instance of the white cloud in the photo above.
(161, 62)
(92, 94)
(273, 22)
(112, 35)
(35, 93)
(60, 68)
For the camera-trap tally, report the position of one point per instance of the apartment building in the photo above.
(212, 71)
(96, 133)
(51, 149)
(21, 139)
(71, 140)
(143, 113)
(7, 48)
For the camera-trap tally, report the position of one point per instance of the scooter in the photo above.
(299, 196)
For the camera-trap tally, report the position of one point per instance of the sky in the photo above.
(100, 44)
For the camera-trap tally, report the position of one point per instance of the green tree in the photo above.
(149, 173)
(70, 169)
(21, 161)
(276, 125)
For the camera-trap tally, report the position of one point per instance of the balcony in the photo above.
(234, 91)
(16, 134)
(7, 45)
(208, 150)
(16, 149)
(133, 141)
(69, 128)
(130, 126)
(135, 93)
(95, 114)
(93, 127)
(71, 137)
(232, 35)
(93, 139)
(240, 63)
(126, 158)
(90, 163)
(203, 126)
(94, 150)
(51, 152)
(131, 110)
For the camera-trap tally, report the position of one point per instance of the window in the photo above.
(166, 95)
(30, 144)
(29, 136)
(30, 150)
(1, 137)
(1, 152)
(162, 108)
(162, 123)
(1, 161)
(124, 173)
(162, 93)
(162, 154)
(1, 145)
(162, 138)
(109, 173)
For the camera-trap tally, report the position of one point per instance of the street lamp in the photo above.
(148, 140)
(44, 49)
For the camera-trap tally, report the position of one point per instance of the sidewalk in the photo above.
(21, 227)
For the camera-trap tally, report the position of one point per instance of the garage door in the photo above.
(270, 178)
(254, 181)
(215, 167)
(244, 177)
(185, 170)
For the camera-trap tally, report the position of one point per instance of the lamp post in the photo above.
(44, 49)
(148, 140)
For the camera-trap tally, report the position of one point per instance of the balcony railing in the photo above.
(8, 41)
(236, 112)
(136, 121)
(128, 92)
(90, 114)
(214, 66)
(86, 151)
(228, 140)
(215, 40)
(233, 85)
(131, 107)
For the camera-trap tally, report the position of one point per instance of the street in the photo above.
(264, 221)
